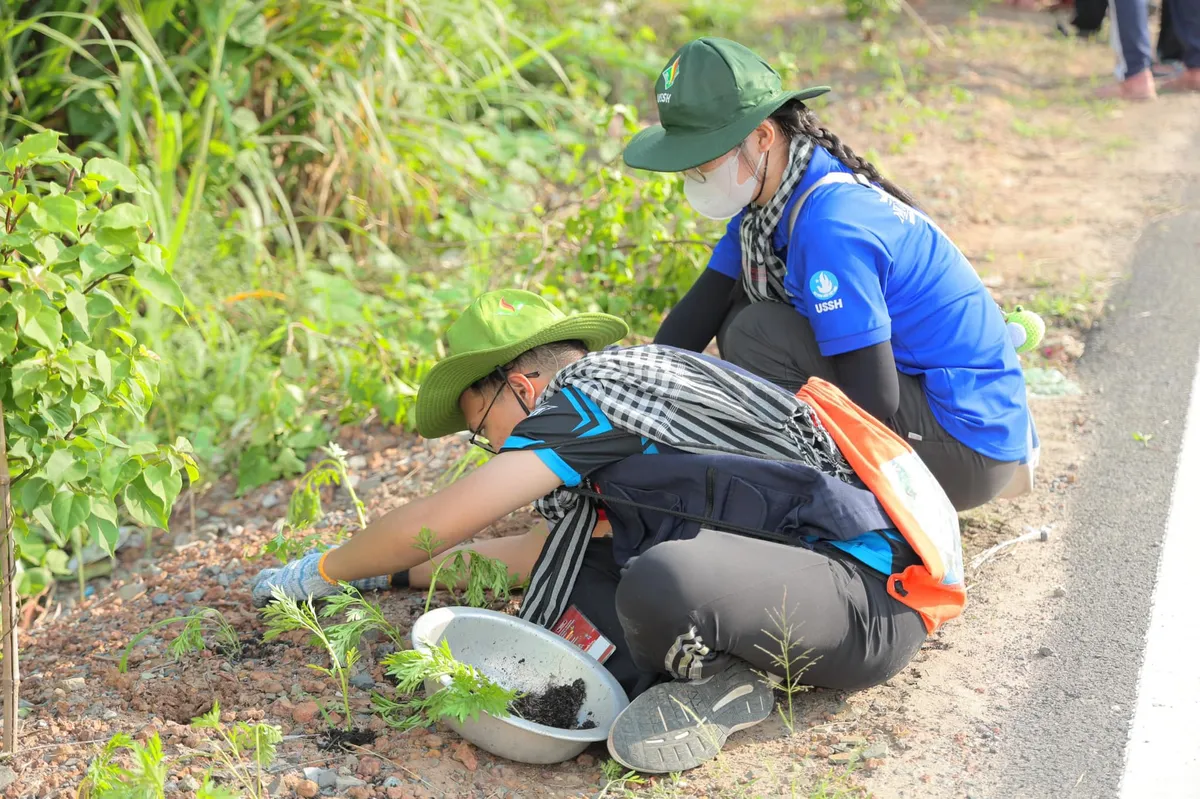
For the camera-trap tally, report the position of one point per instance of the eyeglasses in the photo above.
(699, 176)
(481, 441)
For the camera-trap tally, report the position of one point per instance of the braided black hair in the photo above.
(794, 119)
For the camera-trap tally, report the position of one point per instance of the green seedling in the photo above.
(1144, 438)
(244, 750)
(480, 572)
(285, 615)
(146, 778)
(617, 778)
(789, 665)
(467, 694)
(199, 628)
(304, 507)
(361, 616)
(241, 751)
(286, 547)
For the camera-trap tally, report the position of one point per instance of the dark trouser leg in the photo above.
(1185, 21)
(690, 607)
(595, 596)
(1089, 15)
(1169, 47)
(774, 341)
(1133, 36)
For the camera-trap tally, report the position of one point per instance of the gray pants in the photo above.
(774, 341)
(685, 608)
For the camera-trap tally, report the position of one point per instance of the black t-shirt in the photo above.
(574, 438)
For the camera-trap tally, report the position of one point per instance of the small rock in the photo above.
(396, 792)
(193, 596)
(171, 787)
(1045, 651)
(7, 777)
(876, 750)
(344, 782)
(189, 783)
(72, 684)
(307, 789)
(1059, 592)
(363, 680)
(853, 740)
(224, 580)
(360, 792)
(272, 687)
(392, 782)
(464, 754)
(131, 590)
(161, 599)
(323, 777)
(304, 713)
(433, 741)
(843, 757)
(586, 760)
(369, 767)
(357, 461)
(269, 501)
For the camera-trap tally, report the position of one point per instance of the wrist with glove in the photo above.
(305, 577)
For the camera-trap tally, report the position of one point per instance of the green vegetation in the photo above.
(480, 573)
(465, 694)
(206, 625)
(240, 752)
(284, 615)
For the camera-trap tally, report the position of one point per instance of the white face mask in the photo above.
(719, 195)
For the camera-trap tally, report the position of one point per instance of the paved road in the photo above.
(1070, 739)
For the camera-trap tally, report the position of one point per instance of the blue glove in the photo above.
(302, 578)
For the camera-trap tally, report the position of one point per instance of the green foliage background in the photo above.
(331, 182)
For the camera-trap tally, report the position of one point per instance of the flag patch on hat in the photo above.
(670, 74)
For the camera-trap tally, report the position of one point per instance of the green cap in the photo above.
(711, 95)
(492, 332)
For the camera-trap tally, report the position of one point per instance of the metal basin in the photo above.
(521, 655)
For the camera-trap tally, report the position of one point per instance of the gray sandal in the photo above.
(676, 726)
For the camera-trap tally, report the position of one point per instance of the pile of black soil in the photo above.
(557, 706)
(339, 739)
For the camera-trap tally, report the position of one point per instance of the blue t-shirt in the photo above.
(864, 268)
(574, 438)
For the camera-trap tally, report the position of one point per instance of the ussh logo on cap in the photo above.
(669, 75)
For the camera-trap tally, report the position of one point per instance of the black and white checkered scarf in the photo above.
(685, 401)
(762, 270)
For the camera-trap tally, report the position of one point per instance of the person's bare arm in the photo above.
(507, 482)
(519, 552)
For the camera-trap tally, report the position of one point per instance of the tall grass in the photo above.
(335, 179)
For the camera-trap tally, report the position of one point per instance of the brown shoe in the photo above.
(1186, 81)
(1135, 87)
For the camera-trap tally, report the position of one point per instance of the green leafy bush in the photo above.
(75, 262)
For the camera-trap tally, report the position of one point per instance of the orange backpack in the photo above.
(911, 496)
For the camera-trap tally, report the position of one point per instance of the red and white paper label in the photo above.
(575, 627)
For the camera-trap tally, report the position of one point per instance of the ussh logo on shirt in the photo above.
(823, 286)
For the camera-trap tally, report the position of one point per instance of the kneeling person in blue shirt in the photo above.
(826, 269)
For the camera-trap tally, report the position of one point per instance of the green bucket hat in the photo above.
(711, 95)
(493, 331)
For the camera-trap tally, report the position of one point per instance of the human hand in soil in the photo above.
(302, 578)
